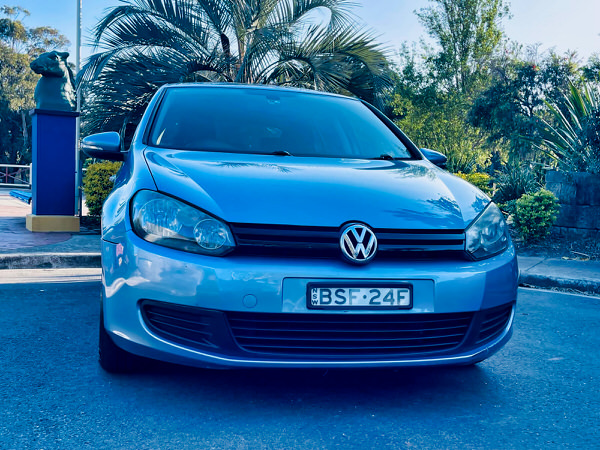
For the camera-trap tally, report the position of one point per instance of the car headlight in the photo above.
(488, 234)
(163, 220)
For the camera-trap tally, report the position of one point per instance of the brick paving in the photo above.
(13, 233)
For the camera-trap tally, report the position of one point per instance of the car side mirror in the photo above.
(437, 158)
(103, 146)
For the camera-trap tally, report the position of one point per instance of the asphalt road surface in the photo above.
(540, 391)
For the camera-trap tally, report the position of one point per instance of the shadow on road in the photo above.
(329, 390)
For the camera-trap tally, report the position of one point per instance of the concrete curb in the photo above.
(544, 282)
(48, 260)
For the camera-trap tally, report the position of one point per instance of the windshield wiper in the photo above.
(385, 157)
(281, 153)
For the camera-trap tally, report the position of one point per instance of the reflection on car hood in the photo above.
(266, 189)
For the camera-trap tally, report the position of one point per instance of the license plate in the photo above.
(361, 296)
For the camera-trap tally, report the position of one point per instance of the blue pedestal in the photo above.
(53, 162)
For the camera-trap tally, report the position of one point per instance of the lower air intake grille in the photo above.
(182, 324)
(494, 322)
(324, 336)
(348, 335)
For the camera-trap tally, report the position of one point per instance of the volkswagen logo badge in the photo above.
(358, 243)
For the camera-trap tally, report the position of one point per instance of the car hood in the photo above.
(286, 190)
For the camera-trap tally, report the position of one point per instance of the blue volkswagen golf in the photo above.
(256, 226)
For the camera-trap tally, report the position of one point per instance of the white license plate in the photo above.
(359, 297)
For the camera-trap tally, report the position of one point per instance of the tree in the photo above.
(19, 45)
(147, 43)
(435, 88)
(520, 86)
(17, 83)
(434, 117)
(591, 71)
(467, 33)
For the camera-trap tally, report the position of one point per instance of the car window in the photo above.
(265, 121)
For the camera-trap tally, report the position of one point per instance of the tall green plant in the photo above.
(520, 82)
(434, 118)
(435, 88)
(467, 33)
(147, 43)
(514, 180)
(572, 140)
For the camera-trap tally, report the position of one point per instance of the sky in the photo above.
(562, 25)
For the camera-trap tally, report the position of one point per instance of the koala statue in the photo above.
(56, 89)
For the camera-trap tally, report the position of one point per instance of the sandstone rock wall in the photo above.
(579, 198)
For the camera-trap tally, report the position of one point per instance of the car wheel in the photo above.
(112, 358)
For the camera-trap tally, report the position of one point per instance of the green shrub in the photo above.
(97, 185)
(535, 214)
(478, 179)
(462, 162)
(515, 180)
(509, 207)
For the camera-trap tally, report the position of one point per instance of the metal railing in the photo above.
(15, 175)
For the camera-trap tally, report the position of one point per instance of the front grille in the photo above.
(323, 242)
(494, 322)
(182, 324)
(323, 336)
(286, 240)
(342, 335)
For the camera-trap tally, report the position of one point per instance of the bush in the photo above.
(478, 179)
(509, 208)
(535, 214)
(97, 185)
(459, 162)
(513, 181)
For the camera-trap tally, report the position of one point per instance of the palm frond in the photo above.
(347, 61)
(146, 43)
(566, 140)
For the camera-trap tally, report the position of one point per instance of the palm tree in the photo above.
(147, 43)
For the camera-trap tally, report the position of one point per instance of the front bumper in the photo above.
(137, 274)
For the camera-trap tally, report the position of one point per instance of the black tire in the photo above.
(476, 362)
(114, 359)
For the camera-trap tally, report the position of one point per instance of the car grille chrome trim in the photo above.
(324, 241)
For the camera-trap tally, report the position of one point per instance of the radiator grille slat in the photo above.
(179, 324)
(323, 242)
(494, 323)
(342, 335)
(324, 335)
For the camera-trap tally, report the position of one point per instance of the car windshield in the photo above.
(268, 121)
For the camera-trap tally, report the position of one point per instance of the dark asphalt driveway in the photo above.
(540, 391)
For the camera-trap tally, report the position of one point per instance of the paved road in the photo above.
(541, 391)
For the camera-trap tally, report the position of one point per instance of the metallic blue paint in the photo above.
(266, 189)
(280, 286)
(256, 189)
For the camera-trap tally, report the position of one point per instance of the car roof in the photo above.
(267, 87)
